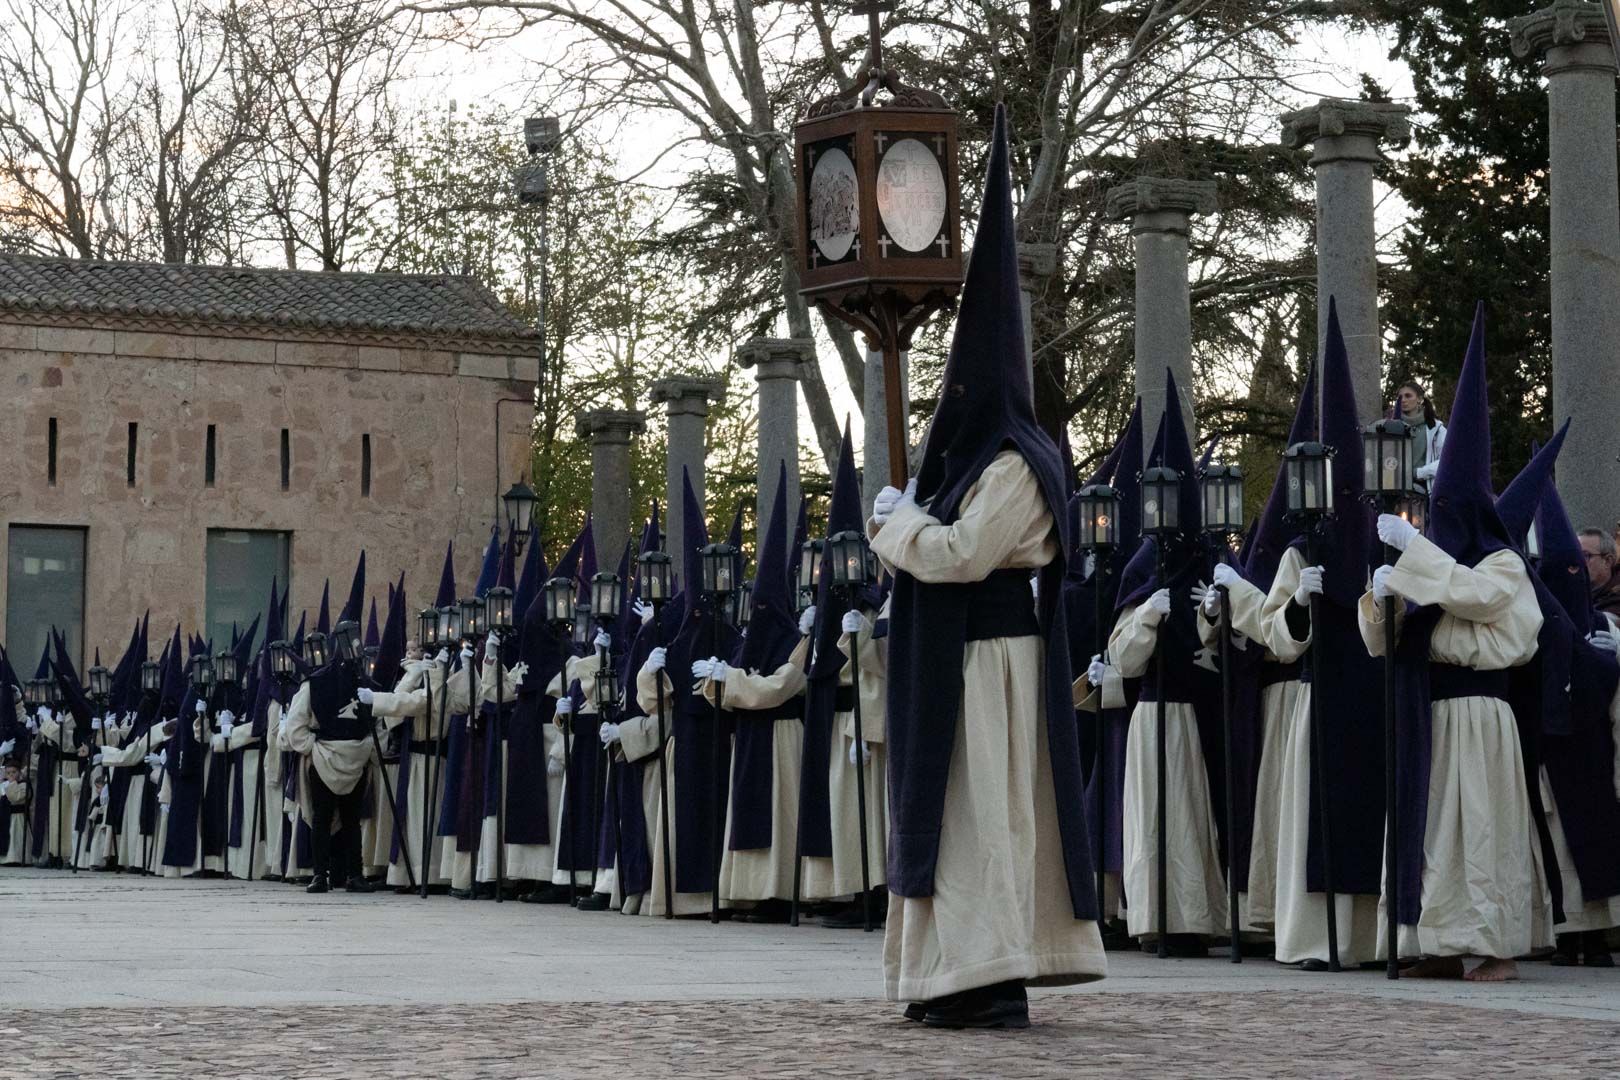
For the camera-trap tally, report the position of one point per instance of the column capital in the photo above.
(1563, 22)
(1157, 204)
(610, 425)
(686, 395)
(776, 358)
(1367, 122)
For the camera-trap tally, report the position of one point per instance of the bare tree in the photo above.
(63, 108)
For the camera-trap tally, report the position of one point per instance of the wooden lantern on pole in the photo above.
(880, 224)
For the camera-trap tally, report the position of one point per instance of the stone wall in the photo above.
(431, 414)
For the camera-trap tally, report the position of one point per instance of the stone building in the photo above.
(176, 435)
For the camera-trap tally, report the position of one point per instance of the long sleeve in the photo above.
(133, 752)
(1427, 575)
(1246, 602)
(874, 669)
(1370, 621)
(580, 669)
(638, 737)
(1274, 632)
(300, 730)
(1003, 522)
(647, 682)
(756, 690)
(1131, 645)
(508, 689)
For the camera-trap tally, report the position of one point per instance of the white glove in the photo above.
(1397, 532)
(466, 653)
(366, 695)
(554, 766)
(95, 759)
(565, 706)
(1225, 576)
(43, 714)
(226, 717)
(644, 611)
(1427, 472)
(1380, 583)
(1089, 565)
(217, 744)
(1160, 602)
(492, 645)
(163, 756)
(201, 707)
(890, 498)
(443, 657)
(1096, 671)
(807, 619)
(106, 795)
(7, 747)
(603, 640)
(714, 669)
(853, 622)
(1206, 598)
(656, 659)
(608, 733)
(95, 723)
(163, 807)
(1601, 640)
(153, 761)
(865, 753)
(1310, 584)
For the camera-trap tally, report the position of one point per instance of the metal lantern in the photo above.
(722, 569)
(369, 657)
(100, 680)
(849, 566)
(519, 501)
(201, 673)
(226, 669)
(151, 676)
(742, 606)
(472, 616)
(283, 661)
(581, 632)
(607, 689)
(1386, 459)
(427, 628)
(1222, 490)
(607, 596)
(316, 652)
(1414, 508)
(498, 610)
(346, 641)
(654, 571)
(449, 624)
(1099, 518)
(1161, 501)
(1308, 472)
(808, 579)
(37, 692)
(558, 598)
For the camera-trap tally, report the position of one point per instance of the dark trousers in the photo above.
(324, 803)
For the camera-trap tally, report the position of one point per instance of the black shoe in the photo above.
(1569, 951)
(769, 912)
(462, 894)
(271, 877)
(359, 885)
(404, 890)
(916, 1011)
(318, 884)
(486, 890)
(547, 894)
(1313, 964)
(1187, 947)
(597, 901)
(1002, 1006)
(851, 917)
(42, 863)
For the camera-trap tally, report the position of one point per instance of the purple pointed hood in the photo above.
(1462, 509)
(1272, 534)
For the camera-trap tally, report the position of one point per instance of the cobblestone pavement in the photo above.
(105, 977)
(1183, 1035)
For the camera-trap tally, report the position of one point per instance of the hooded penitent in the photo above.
(576, 840)
(527, 802)
(1463, 522)
(1578, 759)
(766, 645)
(986, 407)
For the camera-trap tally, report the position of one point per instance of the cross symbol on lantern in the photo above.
(939, 145)
(883, 245)
(944, 245)
(881, 138)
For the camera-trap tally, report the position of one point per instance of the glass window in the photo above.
(241, 563)
(44, 588)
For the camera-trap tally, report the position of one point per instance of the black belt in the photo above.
(1002, 606)
(431, 746)
(1274, 672)
(1449, 681)
(1147, 694)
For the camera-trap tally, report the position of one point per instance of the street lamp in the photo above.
(519, 501)
(721, 569)
(100, 683)
(1161, 503)
(472, 616)
(1308, 474)
(346, 641)
(807, 580)
(427, 630)
(201, 673)
(498, 610)
(316, 651)
(742, 606)
(557, 596)
(369, 656)
(449, 624)
(283, 662)
(37, 692)
(1222, 490)
(654, 570)
(151, 677)
(580, 633)
(226, 669)
(1099, 519)
(607, 597)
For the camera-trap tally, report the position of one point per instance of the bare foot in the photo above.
(1494, 971)
(1435, 967)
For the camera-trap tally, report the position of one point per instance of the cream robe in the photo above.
(237, 856)
(1001, 907)
(639, 737)
(199, 861)
(130, 844)
(1196, 891)
(16, 794)
(457, 866)
(59, 837)
(766, 873)
(340, 762)
(1481, 863)
(410, 700)
(1301, 915)
(582, 669)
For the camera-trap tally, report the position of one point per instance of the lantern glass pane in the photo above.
(582, 624)
(449, 623)
(151, 676)
(427, 627)
(472, 616)
(607, 689)
(607, 595)
(225, 668)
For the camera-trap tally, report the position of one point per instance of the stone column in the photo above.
(1585, 242)
(610, 432)
(1344, 137)
(1037, 263)
(688, 400)
(778, 365)
(1160, 212)
(874, 407)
